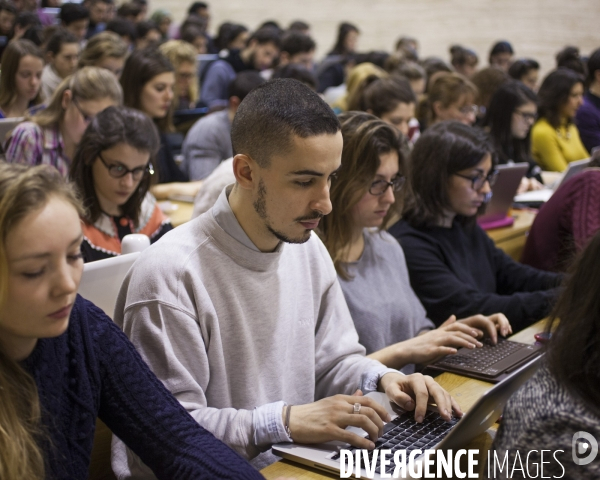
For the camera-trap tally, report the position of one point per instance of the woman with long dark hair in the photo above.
(112, 171)
(563, 397)
(509, 118)
(555, 139)
(454, 266)
(347, 39)
(148, 82)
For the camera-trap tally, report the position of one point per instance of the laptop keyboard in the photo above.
(404, 433)
(487, 360)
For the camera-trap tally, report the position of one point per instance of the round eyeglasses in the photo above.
(479, 180)
(379, 187)
(118, 170)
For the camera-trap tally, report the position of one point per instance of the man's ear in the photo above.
(437, 108)
(244, 168)
(234, 103)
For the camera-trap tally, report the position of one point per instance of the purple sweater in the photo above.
(92, 370)
(565, 223)
(587, 120)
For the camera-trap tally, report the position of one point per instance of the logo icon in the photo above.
(583, 443)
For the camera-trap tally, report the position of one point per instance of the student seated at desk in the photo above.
(454, 267)
(63, 362)
(555, 139)
(563, 397)
(391, 322)
(112, 171)
(20, 83)
(105, 50)
(148, 81)
(52, 135)
(183, 57)
(509, 117)
(566, 222)
(239, 311)
(62, 53)
(208, 142)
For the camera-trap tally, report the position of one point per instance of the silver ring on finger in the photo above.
(357, 407)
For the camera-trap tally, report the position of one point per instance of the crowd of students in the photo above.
(336, 243)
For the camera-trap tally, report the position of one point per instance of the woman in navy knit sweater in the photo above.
(63, 362)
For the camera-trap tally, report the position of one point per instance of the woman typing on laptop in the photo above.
(63, 362)
(454, 267)
(391, 321)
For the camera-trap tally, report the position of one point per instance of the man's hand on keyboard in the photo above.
(490, 325)
(416, 391)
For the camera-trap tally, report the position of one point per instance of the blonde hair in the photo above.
(88, 83)
(178, 52)
(358, 79)
(447, 89)
(101, 46)
(23, 190)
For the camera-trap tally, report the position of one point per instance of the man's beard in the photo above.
(260, 206)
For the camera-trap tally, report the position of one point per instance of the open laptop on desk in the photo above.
(491, 363)
(503, 192)
(403, 433)
(542, 196)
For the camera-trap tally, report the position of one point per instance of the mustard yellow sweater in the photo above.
(553, 148)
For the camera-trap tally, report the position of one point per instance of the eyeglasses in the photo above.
(86, 117)
(479, 180)
(380, 186)
(530, 117)
(118, 170)
(474, 109)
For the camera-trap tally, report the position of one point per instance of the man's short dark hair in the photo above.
(298, 72)
(122, 27)
(58, 39)
(73, 12)
(296, 42)
(144, 27)
(274, 112)
(299, 26)
(244, 83)
(194, 7)
(8, 6)
(385, 94)
(267, 35)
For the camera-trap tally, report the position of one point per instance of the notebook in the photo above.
(503, 192)
(492, 363)
(404, 433)
(542, 196)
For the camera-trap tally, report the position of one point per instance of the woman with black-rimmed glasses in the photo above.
(455, 268)
(390, 320)
(113, 170)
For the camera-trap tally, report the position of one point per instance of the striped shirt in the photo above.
(31, 144)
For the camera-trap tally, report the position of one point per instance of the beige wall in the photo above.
(536, 28)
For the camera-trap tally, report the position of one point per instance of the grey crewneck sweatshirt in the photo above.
(383, 305)
(232, 331)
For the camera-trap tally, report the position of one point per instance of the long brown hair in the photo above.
(141, 67)
(111, 127)
(573, 353)
(13, 54)
(365, 139)
(23, 190)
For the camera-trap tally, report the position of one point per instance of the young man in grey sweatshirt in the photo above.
(239, 311)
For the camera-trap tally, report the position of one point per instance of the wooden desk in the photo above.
(180, 213)
(512, 239)
(465, 390)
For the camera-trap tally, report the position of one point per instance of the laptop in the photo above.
(542, 196)
(491, 363)
(503, 192)
(403, 433)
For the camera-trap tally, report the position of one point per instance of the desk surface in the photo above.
(465, 390)
(179, 213)
(523, 221)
